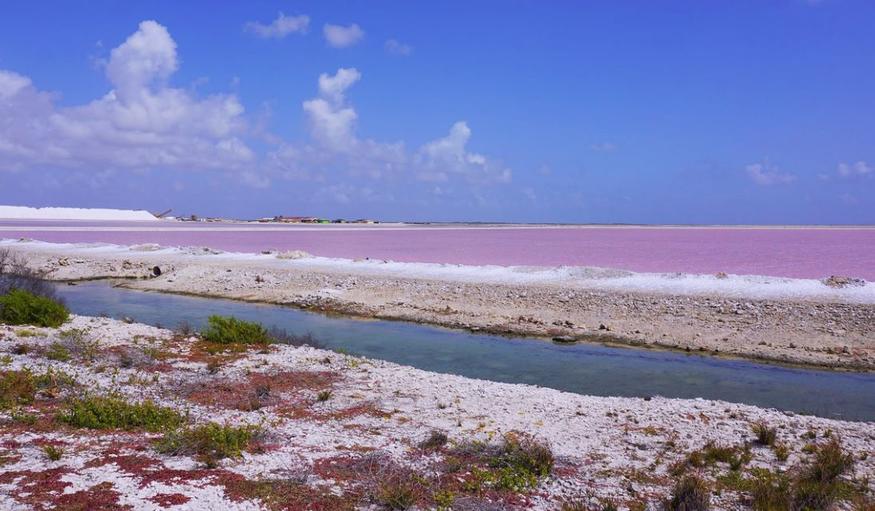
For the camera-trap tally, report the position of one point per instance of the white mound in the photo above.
(27, 213)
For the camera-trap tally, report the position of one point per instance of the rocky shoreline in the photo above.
(342, 432)
(823, 331)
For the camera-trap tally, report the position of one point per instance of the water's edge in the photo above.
(598, 368)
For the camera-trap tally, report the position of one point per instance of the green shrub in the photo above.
(114, 412)
(209, 442)
(691, 493)
(16, 388)
(58, 352)
(228, 330)
(19, 307)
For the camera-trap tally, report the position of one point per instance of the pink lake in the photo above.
(787, 252)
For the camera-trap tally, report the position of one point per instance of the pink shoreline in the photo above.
(792, 252)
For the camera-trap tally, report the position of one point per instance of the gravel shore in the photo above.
(719, 315)
(343, 432)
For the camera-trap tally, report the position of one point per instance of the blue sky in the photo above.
(653, 112)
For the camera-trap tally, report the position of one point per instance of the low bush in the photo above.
(16, 388)
(114, 412)
(209, 442)
(228, 330)
(19, 307)
(690, 493)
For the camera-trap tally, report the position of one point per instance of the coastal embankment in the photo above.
(829, 323)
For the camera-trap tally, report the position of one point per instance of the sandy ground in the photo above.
(784, 320)
(341, 452)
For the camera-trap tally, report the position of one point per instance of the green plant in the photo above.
(209, 442)
(228, 330)
(114, 412)
(19, 307)
(764, 434)
(58, 352)
(324, 395)
(52, 452)
(16, 388)
(690, 493)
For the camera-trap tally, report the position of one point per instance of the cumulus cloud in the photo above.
(766, 174)
(339, 36)
(280, 27)
(394, 47)
(441, 158)
(847, 170)
(336, 147)
(141, 123)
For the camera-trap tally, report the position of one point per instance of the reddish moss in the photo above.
(169, 499)
(100, 496)
(258, 390)
(36, 489)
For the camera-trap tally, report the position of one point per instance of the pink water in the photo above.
(802, 253)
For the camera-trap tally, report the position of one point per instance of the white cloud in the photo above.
(395, 47)
(332, 122)
(766, 174)
(449, 155)
(336, 147)
(280, 27)
(339, 36)
(12, 83)
(141, 123)
(859, 169)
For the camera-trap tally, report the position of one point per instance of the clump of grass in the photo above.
(527, 454)
(781, 450)
(711, 454)
(812, 486)
(19, 307)
(324, 395)
(764, 434)
(16, 388)
(58, 352)
(52, 452)
(397, 492)
(435, 440)
(515, 465)
(690, 493)
(817, 484)
(114, 412)
(228, 330)
(209, 442)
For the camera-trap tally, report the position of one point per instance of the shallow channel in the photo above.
(580, 368)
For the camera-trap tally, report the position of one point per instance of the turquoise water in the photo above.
(581, 368)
